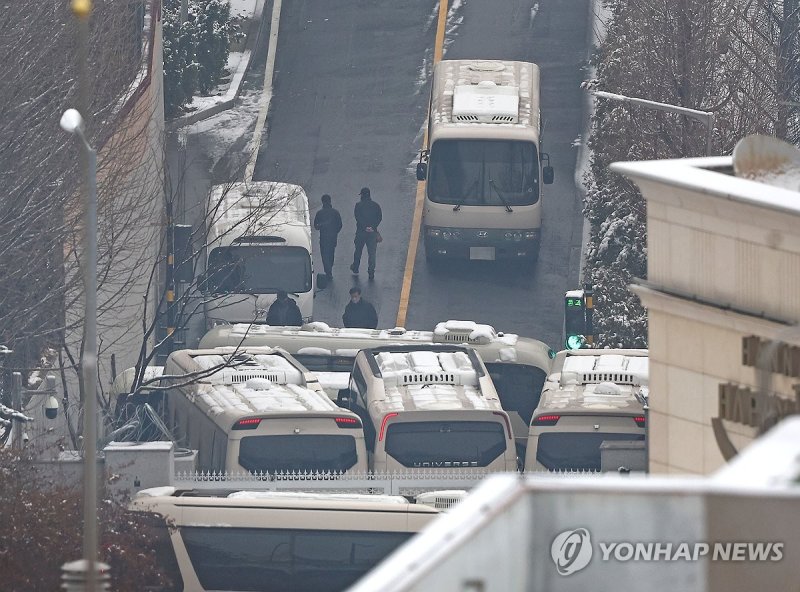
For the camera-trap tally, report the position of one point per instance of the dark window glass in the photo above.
(310, 452)
(445, 443)
(562, 451)
(318, 363)
(258, 270)
(271, 560)
(519, 387)
(484, 173)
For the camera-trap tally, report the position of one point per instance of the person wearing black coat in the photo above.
(368, 215)
(284, 312)
(359, 312)
(329, 223)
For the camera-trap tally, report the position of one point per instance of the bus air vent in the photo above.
(441, 500)
(615, 377)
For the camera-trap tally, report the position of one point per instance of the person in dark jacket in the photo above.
(284, 311)
(359, 312)
(329, 223)
(368, 215)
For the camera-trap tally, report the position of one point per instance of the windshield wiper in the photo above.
(466, 195)
(500, 195)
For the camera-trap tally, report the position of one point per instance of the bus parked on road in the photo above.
(482, 162)
(281, 542)
(430, 407)
(258, 410)
(592, 396)
(517, 365)
(259, 242)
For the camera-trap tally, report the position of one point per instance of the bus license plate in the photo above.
(482, 253)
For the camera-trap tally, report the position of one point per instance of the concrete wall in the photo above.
(723, 264)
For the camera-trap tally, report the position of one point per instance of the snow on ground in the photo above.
(242, 8)
(217, 134)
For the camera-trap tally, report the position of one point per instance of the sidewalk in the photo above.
(226, 94)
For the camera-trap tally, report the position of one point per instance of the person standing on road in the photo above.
(359, 313)
(284, 312)
(368, 215)
(329, 223)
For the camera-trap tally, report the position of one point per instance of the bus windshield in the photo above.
(484, 173)
(445, 443)
(285, 560)
(258, 270)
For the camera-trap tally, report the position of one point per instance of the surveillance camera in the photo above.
(51, 407)
(25, 438)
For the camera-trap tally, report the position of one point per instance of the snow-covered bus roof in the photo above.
(430, 378)
(284, 213)
(320, 339)
(485, 99)
(260, 381)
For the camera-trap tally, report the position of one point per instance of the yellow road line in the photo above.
(413, 243)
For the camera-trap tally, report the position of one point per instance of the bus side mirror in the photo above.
(344, 398)
(422, 166)
(547, 171)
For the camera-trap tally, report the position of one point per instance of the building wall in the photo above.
(723, 265)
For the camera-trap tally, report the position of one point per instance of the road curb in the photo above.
(255, 32)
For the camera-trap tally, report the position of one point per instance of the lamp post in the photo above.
(72, 122)
(704, 117)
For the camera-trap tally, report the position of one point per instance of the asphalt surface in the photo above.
(350, 94)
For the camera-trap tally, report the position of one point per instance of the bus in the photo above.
(260, 411)
(517, 365)
(259, 242)
(281, 541)
(430, 407)
(592, 397)
(483, 162)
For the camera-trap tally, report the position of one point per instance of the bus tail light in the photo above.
(505, 419)
(347, 422)
(546, 420)
(249, 423)
(386, 418)
(640, 420)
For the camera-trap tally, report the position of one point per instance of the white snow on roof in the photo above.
(265, 365)
(333, 380)
(344, 497)
(428, 380)
(603, 396)
(398, 366)
(259, 395)
(313, 351)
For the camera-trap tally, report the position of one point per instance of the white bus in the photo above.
(593, 396)
(483, 197)
(430, 407)
(259, 242)
(258, 410)
(281, 542)
(517, 365)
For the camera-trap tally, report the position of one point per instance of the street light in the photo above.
(72, 122)
(704, 117)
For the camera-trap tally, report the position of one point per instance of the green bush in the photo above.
(195, 52)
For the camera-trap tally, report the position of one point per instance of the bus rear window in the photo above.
(446, 443)
(298, 452)
(278, 560)
(575, 451)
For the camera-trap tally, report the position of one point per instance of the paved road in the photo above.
(351, 88)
